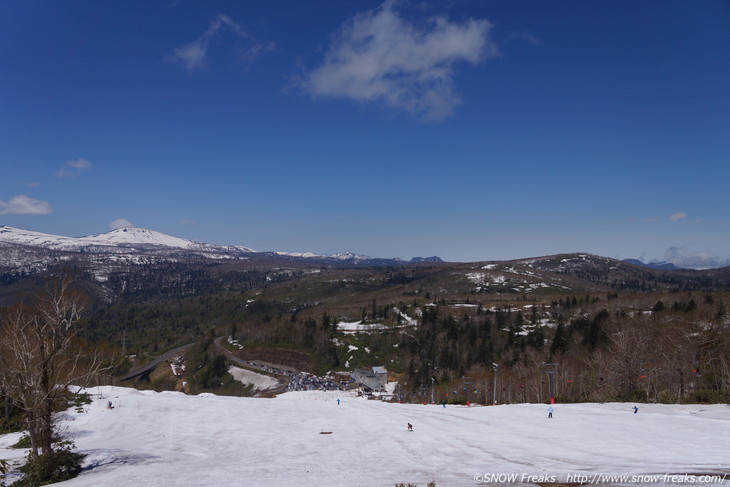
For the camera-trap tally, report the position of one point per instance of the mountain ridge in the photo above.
(130, 237)
(141, 240)
(663, 265)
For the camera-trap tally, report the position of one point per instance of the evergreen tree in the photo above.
(560, 341)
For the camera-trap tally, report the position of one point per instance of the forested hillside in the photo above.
(598, 328)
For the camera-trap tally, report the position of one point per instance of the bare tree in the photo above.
(40, 359)
(629, 347)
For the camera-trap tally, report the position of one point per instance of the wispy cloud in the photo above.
(74, 168)
(378, 55)
(642, 219)
(675, 217)
(194, 56)
(526, 37)
(699, 260)
(120, 223)
(24, 205)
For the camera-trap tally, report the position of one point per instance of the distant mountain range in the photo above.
(138, 264)
(139, 245)
(664, 266)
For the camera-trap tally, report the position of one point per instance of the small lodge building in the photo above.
(374, 378)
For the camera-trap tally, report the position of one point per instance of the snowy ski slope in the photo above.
(170, 439)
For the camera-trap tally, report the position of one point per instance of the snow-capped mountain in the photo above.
(25, 248)
(356, 259)
(24, 251)
(137, 236)
(311, 255)
(35, 239)
(134, 238)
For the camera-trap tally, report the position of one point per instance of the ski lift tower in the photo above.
(124, 340)
(494, 391)
(550, 370)
(466, 386)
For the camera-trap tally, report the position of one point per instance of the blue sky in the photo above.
(472, 130)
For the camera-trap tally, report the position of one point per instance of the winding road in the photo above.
(148, 368)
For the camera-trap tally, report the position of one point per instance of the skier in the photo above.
(550, 412)
(636, 410)
(410, 427)
(338, 402)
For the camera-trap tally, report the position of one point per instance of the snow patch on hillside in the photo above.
(259, 382)
(359, 327)
(405, 318)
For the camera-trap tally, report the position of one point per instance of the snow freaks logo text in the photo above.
(509, 478)
(599, 478)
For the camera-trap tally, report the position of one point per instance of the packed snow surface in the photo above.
(260, 382)
(170, 439)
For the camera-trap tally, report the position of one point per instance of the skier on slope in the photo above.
(550, 412)
(410, 427)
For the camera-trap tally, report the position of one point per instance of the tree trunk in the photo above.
(32, 434)
(681, 386)
(7, 406)
(45, 425)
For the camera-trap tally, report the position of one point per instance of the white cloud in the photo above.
(120, 223)
(380, 56)
(73, 169)
(699, 260)
(194, 56)
(24, 205)
(675, 217)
